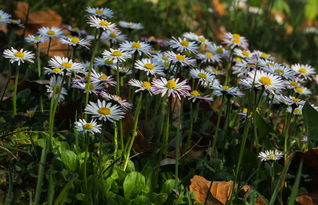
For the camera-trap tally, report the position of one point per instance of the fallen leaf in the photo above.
(220, 190)
(308, 199)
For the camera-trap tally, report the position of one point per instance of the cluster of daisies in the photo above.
(190, 67)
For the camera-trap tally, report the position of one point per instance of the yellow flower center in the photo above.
(152, 38)
(118, 97)
(99, 11)
(245, 110)
(297, 111)
(236, 41)
(113, 35)
(50, 32)
(103, 76)
(135, 45)
(202, 75)
(165, 58)
(89, 86)
(265, 80)
(19, 54)
(299, 90)
(185, 43)
(236, 36)
(57, 89)
(264, 55)
(75, 40)
(238, 59)
(88, 126)
(57, 70)
(104, 111)
(201, 39)
(293, 83)
(271, 156)
(302, 70)
(67, 65)
(209, 54)
(146, 85)
(220, 50)
(270, 64)
(246, 53)
(216, 71)
(149, 66)
(279, 71)
(109, 62)
(117, 53)
(75, 28)
(296, 99)
(37, 38)
(167, 64)
(180, 57)
(225, 87)
(103, 23)
(195, 93)
(171, 84)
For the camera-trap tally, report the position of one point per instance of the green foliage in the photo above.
(310, 117)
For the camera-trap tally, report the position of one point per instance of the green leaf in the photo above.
(141, 199)
(133, 185)
(168, 186)
(311, 9)
(311, 118)
(263, 127)
(69, 158)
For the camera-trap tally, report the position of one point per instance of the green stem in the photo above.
(38, 59)
(165, 141)
(178, 146)
(115, 140)
(134, 132)
(49, 46)
(216, 132)
(15, 91)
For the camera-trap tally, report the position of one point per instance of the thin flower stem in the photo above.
(38, 59)
(165, 141)
(115, 140)
(178, 146)
(15, 91)
(49, 46)
(216, 132)
(134, 132)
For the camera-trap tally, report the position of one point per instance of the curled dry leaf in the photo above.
(218, 194)
(308, 199)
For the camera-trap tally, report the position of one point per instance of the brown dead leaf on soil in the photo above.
(308, 199)
(37, 20)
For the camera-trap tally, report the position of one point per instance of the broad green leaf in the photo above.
(134, 184)
(141, 199)
(263, 127)
(311, 118)
(168, 186)
(69, 158)
(311, 9)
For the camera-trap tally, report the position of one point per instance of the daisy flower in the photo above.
(116, 55)
(242, 53)
(75, 31)
(4, 17)
(18, 56)
(302, 90)
(122, 102)
(50, 32)
(87, 127)
(235, 40)
(218, 50)
(196, 95)
(130, 25)
(296, 110)
(49, 71)
(65, 64)
(104, 111)
(102, 78)
(214, 71)
(270, 155)
(294, 83)
(100, 12)
(198, 38)
(102, 61)
(99, 23)
(227, 90)
(141, 85)
(289, 100)
(171, 87)
(305, 71)
(181, 59)
(262, 55)
(269, 82)
(91, 87)
(114, 36)
(202, 75)
(75, 41)
(136, 47)
(280, 70)
(123, 70)
(147, 65)
(208, 57)
(55, 88)
(35, 39)
(183, 45)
